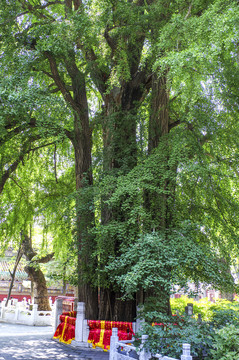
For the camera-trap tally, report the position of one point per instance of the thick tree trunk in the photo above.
(120, 156)
(159, 116)
(119, 129)
(40, 292)
(36, 275)
(85, 220)
(113, 308)
(157, 205)
(158, 128)
(85, 214)
(81, 141)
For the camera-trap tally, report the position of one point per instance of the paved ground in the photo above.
(20, 342)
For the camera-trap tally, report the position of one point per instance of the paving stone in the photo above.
(19, 342)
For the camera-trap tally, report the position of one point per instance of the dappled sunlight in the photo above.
(33, 349)
(29, 333)
(21, 342)
(40, 349)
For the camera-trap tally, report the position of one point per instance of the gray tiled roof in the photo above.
(6, 266)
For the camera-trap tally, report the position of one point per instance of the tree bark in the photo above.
(159, 116)
(120, 156)
(157, 205)
(114, 308)
(119, 138)
(84, 201)
(81, 141)
(36, 275)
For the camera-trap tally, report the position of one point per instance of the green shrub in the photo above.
(199, 307)
(208, 340)
(216, 338)
(226, 343)
(224, 317)
(168, 337)
(220, 313)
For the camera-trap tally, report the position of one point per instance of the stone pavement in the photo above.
(20, 342)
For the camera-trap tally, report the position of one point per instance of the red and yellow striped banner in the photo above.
(101, 331)
(65, 331)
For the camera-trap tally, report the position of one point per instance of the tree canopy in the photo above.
(119, 133)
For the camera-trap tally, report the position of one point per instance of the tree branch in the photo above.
(55, 90)
(189, 11)
(59, 82)
(46, 73)
(30, 253)
(17, 130)
(55, 169)
(35, 9)
(172, 125)
(11, 169)
(15, 181)
(99, 77)
(45, 259)
(109, 40)
(6, 175)
(77, 4)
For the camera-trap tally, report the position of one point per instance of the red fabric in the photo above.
(65, 331)
(101, 331)
(69, 334)
(108, 325)
(94, 336)
(106, 339)
(69, 313)
(59, 330)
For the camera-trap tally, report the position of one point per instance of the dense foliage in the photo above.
(119, 136)
(221, 311)
(216, 337)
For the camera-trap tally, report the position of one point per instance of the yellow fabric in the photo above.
(102, 324)
(61, 337)
(63, 331)
(100, 343)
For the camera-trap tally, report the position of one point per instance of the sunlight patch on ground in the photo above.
(12, 330)
(34, 349)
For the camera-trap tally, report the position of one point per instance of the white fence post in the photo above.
(113, 340)
(144, 354)
(186, 352)
(3, 308)
(86, 331)
(17, 309)
(139, 321)
(80, 329)
(80, 317)
(58, 311)
(34, 313)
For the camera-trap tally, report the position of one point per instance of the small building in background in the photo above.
(22, 287)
